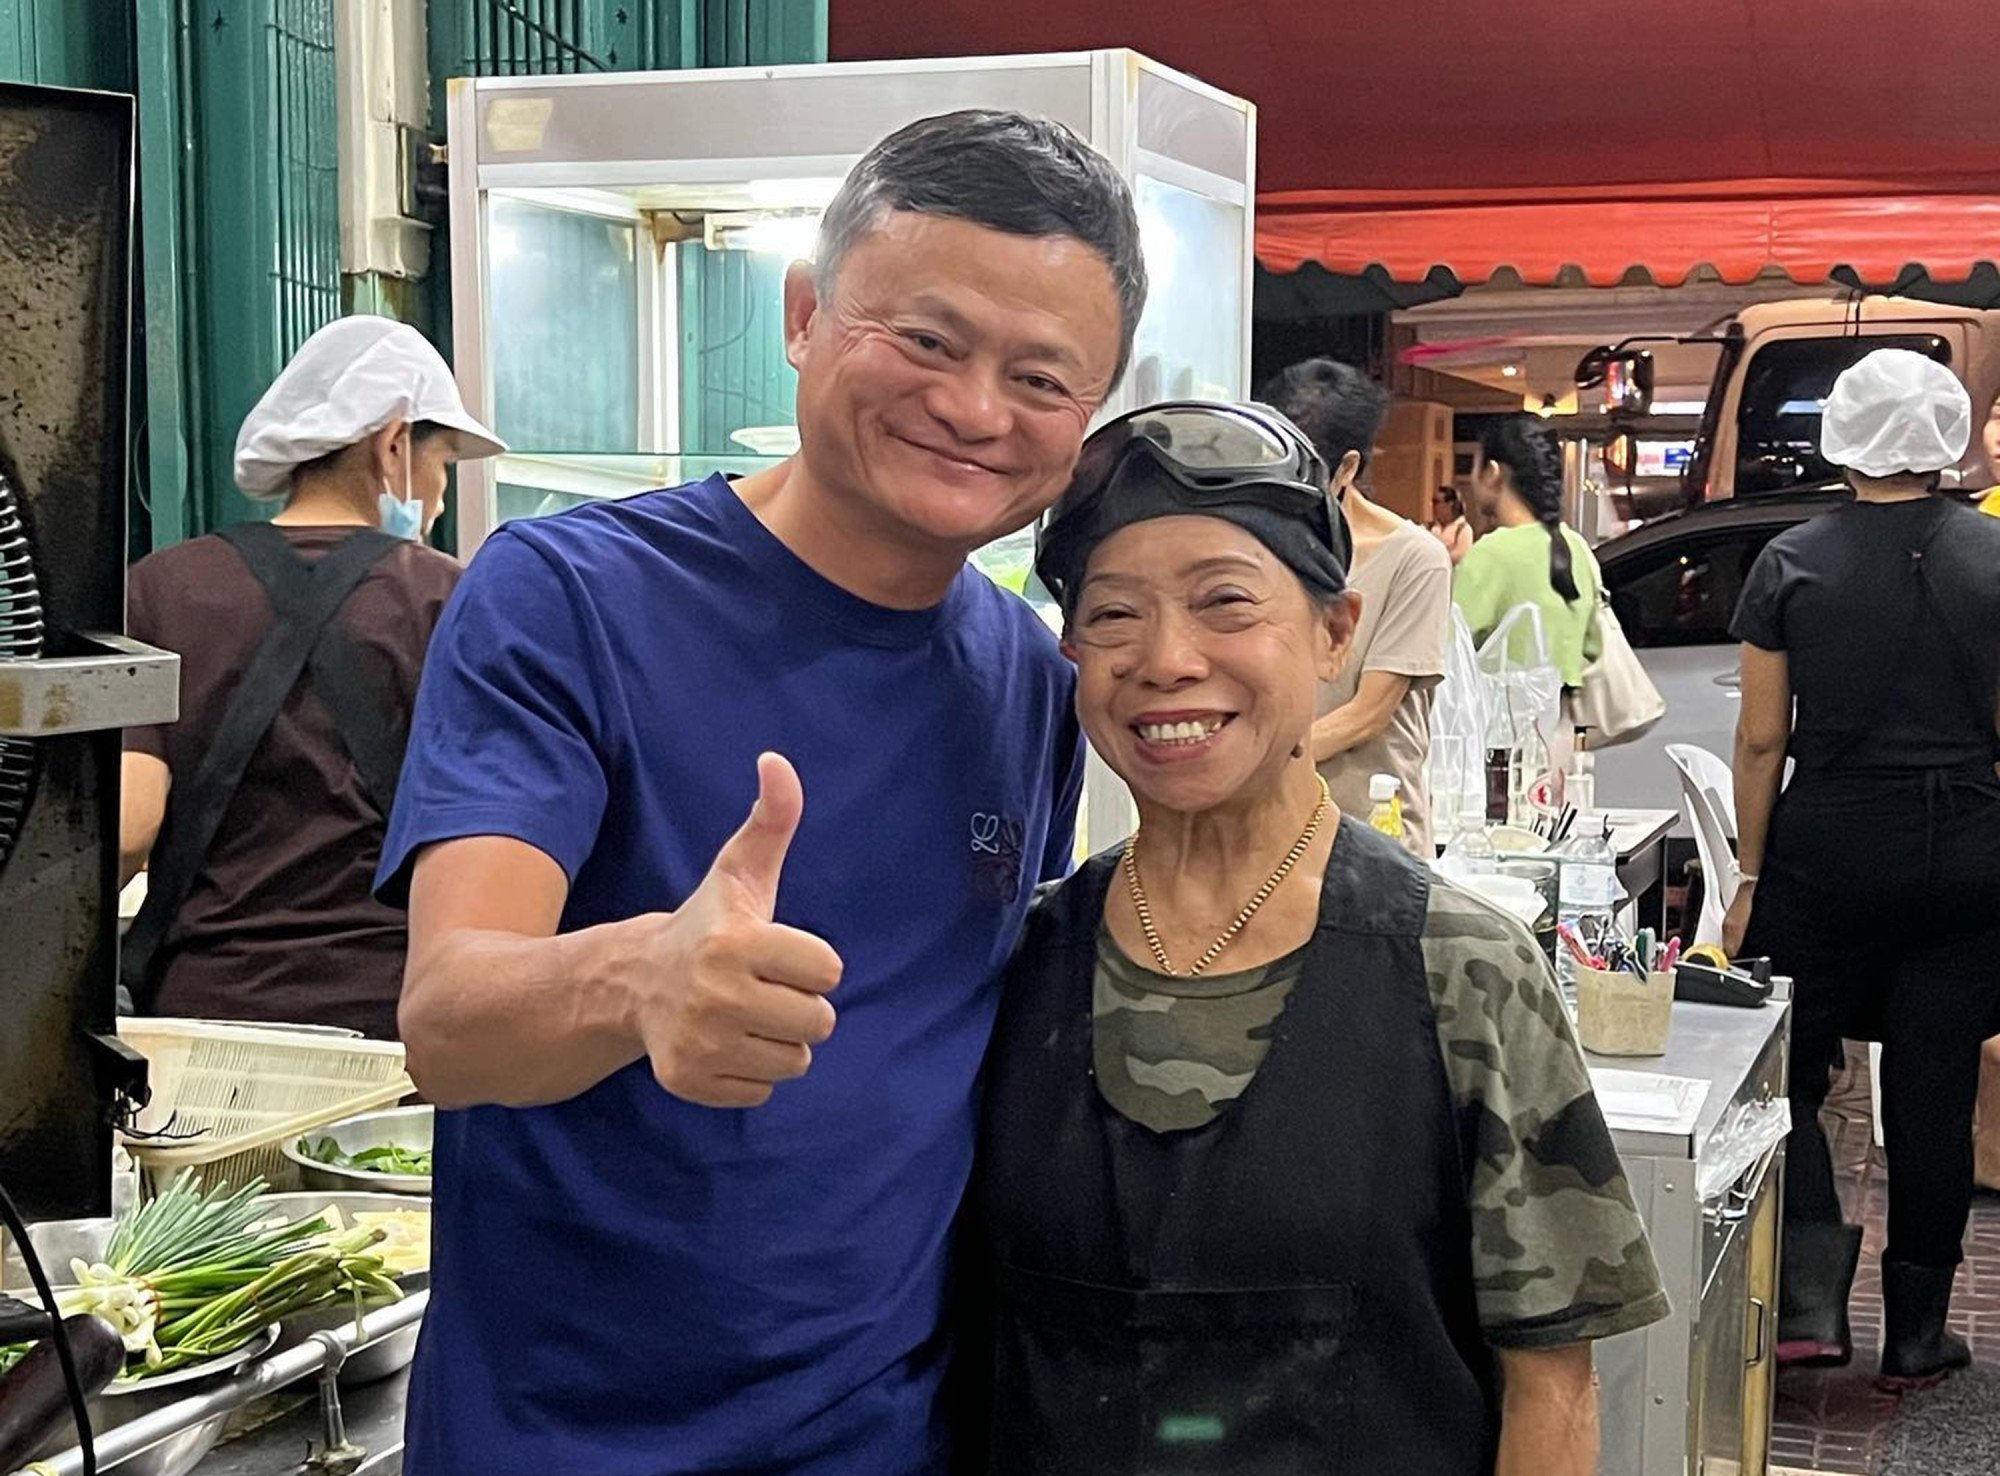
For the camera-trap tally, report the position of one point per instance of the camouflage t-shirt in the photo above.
(1559, 1253)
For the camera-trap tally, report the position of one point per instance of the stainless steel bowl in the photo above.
(56, 1243)
(408, 1127)
(384, 1356)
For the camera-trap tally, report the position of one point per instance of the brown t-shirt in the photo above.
(1405, 588)
(280, 924)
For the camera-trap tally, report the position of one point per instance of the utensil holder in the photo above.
(1620, 1014)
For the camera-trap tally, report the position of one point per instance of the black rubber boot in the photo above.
(1813, 1282)
(1916, 1348)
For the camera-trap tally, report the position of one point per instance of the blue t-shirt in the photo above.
(625, 1284)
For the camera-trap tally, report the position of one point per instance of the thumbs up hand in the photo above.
(727, 1002)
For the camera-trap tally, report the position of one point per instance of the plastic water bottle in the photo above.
(1587, 897)
(1385, 794)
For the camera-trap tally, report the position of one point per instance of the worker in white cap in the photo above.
(1873, 879)
(259, 814)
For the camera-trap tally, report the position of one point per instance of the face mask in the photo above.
(400, 517)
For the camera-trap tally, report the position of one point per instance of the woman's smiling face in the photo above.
(1199, 656)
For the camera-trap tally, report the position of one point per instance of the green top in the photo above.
(1509, 567)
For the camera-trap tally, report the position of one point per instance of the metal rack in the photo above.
(321, 1355)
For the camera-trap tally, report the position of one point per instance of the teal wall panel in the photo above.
(266, 216)
(67, 43)
(512, 38)
(240, 228)
(733, 367)
(562, 380)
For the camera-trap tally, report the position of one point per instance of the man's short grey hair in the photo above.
(1007, 171)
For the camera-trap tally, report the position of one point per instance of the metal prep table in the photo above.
(1692, 1394)
(286, 1431)
(284, 1414)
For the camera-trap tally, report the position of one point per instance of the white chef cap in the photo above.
(1896, 411)
(346, 382)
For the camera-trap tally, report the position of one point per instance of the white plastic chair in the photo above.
(1705, 780)
(1710, 773)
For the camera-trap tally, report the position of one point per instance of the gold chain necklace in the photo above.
(1263, 893)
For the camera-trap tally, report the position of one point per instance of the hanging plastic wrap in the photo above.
(1740, 1142)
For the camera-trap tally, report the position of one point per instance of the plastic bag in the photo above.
(1523, 685)
(1459, 717)
(1746, 1135)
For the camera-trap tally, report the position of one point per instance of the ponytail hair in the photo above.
(1524, 446)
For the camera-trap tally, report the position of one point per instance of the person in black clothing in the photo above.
(259, 814)
(1874, 878)
(1282, 1169)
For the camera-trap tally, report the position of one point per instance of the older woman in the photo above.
(1290, 1161)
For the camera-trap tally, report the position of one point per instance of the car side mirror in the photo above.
(1624, 375)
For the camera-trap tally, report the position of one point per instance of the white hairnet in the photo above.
(345, 383)
(1896, 411)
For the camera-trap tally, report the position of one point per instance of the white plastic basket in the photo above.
(249, 1089)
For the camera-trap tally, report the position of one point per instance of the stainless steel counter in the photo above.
(1718, 1044)
(1693, 1392)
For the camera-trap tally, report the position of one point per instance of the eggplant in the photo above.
(34, 1400)
(21, 1322)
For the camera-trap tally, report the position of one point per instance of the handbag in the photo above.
(1617, 701)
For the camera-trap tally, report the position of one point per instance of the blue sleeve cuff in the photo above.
(549, 835)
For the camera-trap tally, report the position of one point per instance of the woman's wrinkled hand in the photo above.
(1736, 922)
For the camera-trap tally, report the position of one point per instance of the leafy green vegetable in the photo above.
(388, 1158)
(13, 1354)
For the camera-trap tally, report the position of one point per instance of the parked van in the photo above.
(1778, 361)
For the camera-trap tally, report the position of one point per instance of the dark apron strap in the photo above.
(304, 598)
(371, 725)
(365, 714)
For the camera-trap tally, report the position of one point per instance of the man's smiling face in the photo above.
(948, 374)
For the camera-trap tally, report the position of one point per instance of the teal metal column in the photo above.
(171, 380)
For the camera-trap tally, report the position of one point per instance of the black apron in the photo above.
(1286, 1290)
(305, 632)
(1915, 818)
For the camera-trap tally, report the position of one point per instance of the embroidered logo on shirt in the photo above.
(996, 856)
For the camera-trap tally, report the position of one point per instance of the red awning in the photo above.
(1478, 133)
(1876, 236)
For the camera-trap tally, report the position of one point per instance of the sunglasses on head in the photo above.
(1230, 452)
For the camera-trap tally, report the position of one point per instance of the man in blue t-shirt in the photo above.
(706, 1081)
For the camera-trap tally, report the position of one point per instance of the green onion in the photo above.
(196, 1274)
